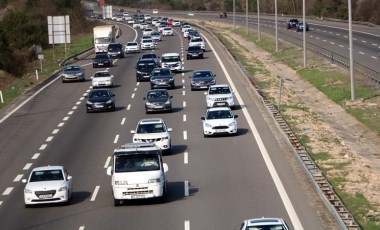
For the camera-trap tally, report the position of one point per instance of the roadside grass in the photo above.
(337, 87)
(52, 58)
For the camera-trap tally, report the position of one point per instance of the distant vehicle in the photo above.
(104, 35)
(147, 32)
(147, 44)
(162, 78)
(132, 47)
(73, 73)
(115, 50)
(194, 52)
(100, 100)
(158, 100)
(198, 41)
(144, 68)
(223, 14)
(219, 120)
(176, 22)
(190, 14)
(167, 31)
(220, 96)
(153, 56)
(292, 23)
(184, 27)
(143, 25)
(138, 172)
(136, 24)
(155, 11)
(101, 60)
(264, 223)
(300, 26)
(153, 129)
(171, 61)
(192, 33)
(102, 79)
(202, 79)
(156, 36)
(48, 184)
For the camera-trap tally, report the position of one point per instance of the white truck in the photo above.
(138, 172)
(104, 35)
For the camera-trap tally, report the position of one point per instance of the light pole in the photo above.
(304, 34)
(258, 19)
(233, 9)
(351, 51)
(275, 18)
(246, 16)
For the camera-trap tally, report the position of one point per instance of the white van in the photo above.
(137, 172)
(171, 61)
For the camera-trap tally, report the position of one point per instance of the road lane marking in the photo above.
(186, 188)
(35, 156)
(184, 104)
(107, 162)
(7, 191)
(49, 139)
(133, 95)
(78, 103)
(74, 107)
(65, 118)
(123, 121)
(61, 124)
(71, 112)
(272, 170)
(55, 131)
(187, 224)
(116, 139)
(374, 57)
(135, 89)
(186, 158)
(341, 46)
(1, 203)
(93, 197)
(183, 92)
(185, 135)
(81, 98)
(27, 166)
(81, 228)
(364, 41)
(43, 147)
(361, 52)
(129, 107)
(332, 43)
(183, 82)
(18, 178)
(184, 117)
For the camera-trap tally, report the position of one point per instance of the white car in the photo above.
(190, 14)
(48, 184)
(143, 26)
(132, 47)
(147, 32)
(131, 21)
(156, 36)
(171, 61)
(184, 27)
(160, 28)
(167, 31)
(147, 44)
(155, 21)
(136, 24)
(220, 95)
(198, 41)
(264, 223)
(102, 79)
(219, 120)
(186, 32)
(155, 11)
(176, 22)
(151, 130)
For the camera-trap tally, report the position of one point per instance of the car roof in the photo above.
(151, 121)
(170, 54)
(218, 109)
(147, 60)
(49, 167)
(219, 85)
(101, 89)
(264, 221)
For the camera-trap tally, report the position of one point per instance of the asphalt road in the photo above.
(214, 183)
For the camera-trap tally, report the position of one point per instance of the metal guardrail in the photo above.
(74, 57)
(325, 190)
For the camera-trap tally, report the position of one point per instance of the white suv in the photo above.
(153, 130)
(171, 61)
(219, 96)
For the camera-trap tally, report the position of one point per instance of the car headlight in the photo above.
(139, 72)
(208, 125)
(171, 79)
(121, 182)
(137, 140)
(109, 101)
(64, 188)
(164, 138)
(212, 82)
(28, 191)
(232, 124)
(64, 75)
(148, 103)
(89, 103)
(167, 102)
(154, 180)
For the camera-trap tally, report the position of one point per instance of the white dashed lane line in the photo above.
(107, 162)
(185, 158)
(187, 224)
(18, 178)
(116, 139)
(35, 156)
(81, 228)
(129, 107)
(65, 118)
(374, 57)
(43, 147)
(123, 121)
(184, 117)
(185, 135)
(361, 52)
(27, 166)
(133, 95)
(183, 92)
(61, 124)
(49, 138)
(186, 188)
(93, 197)
(184, 104)
(55, 131)
(7, 191)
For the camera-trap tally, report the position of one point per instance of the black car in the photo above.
(73, 73)
(194, 52)
(115, 50)
(101, 60)
(158, 100)
(100, 100)
(162, 78)
(300, 27)
(202, 79)
(144, 68)
(292, 23)
(151, 56)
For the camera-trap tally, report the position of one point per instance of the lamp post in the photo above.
(246, 16)
(304, 34)
(258, 19)
(351, 51)
(275, 18)
(233, 9)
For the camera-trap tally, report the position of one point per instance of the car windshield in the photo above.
(167, 28)
(132, 44)
(101, 56)
(114, 47)
(46, 175)
(158, 94)
(102, 74)
(72, 68)
(102, 40)
(202, 74)
(170, 59)
(194, 48)
(160, 72)
(266, 227)
(144, 56)
(151, 128)
(147, 41)
(196, 40)
(99, 93)
(219, 114)
(137, 162)
(146, 65)
(219, 90)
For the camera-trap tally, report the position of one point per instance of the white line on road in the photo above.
(74, 107)
(184, 104)
(183, 92)
(185, 135)
(61, 124)
(374, 57)
(55, 131)
(78, 102)
(187, 224)
(361, 52)
(93, 197)
(81, 228)
(1, 203)
(184, 117)
(49, 138)
(135, 89)
(43, 147)
(341, 46)
(186, 158)
(35, 156)
(7, 191)
(183, 82)
(70, 112)
(332, 43)
(18, 178)
(133, 95)
(116, 139)
(129, 107)
(81, 98)
(65, 118)
(186, 188)
(27, 166)
(364, 41)
(123, 121)
(107, 162)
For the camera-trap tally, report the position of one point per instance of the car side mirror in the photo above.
(203, 118)
(236, 116)
(23, 181)
(166, 167)
(109, 171)
(205, 93)
(171, 97)
(144, 98)
(170, 129)
(69, 177)
(132, 131)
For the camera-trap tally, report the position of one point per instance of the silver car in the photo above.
(73, 73)
(220, 95)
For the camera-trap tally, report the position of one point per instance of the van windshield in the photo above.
(102, 40)
(170, 59)
(137, 163)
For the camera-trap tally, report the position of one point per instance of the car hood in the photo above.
(162, 77)
(220, 122)
(157, 100)
(202, 79)
(218, 95)
(101, 79)
(149, 135)
(140, 177)
(99, 99)
(45, 185)
(72, 72)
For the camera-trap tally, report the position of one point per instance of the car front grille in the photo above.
(220, 127)
(221, 99)
(38, 193)
(138, 191)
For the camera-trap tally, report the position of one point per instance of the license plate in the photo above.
(45, 196)
(98, 106)
(100, 64)
(138, 196)
(220, 131)
(220, 103)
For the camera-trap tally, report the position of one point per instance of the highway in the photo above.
(214, 183)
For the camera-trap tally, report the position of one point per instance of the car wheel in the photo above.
(202, 56)
(116, 202)
(187, 58)
(204, 135)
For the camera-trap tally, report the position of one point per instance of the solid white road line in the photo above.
(186, 188)
(187, 224)
(7, 191)
(93, 197)
(272, 170)
(27, 166)
(35, 156)
(18, 178)
(107, 162)
(186, 158)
